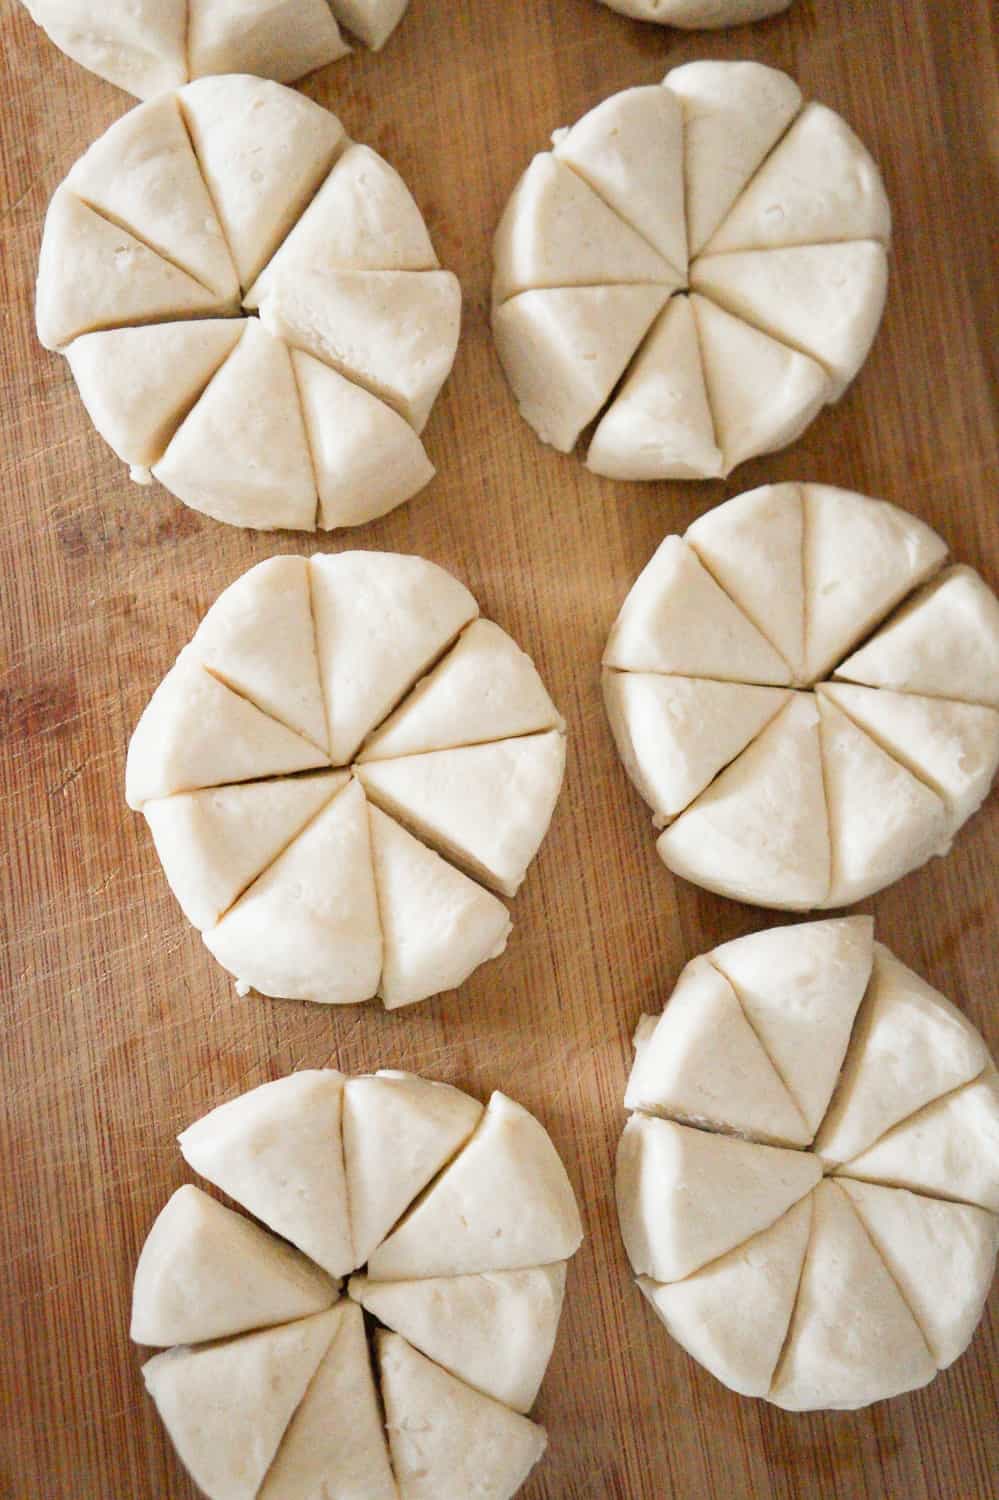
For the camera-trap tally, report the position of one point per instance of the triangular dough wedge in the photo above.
(825, 300)
(258, 639)
(363, 218)
(277, 1150)
(308, 928)
(950, 1149)
(754, 546)
(953, 747)
(686, 1196)
(556, 232)
(242, 455)
(486, 688)
(800, 988)
(381, 620)
(138, 384)
(94, 275)
(883, 822)
(820, 184)
(373, 21)
(659, 425)
(504, 1204)
(944, 643)
(563, 350)
(941, 1255)
(335, 1446)
(762, 394)
(862, 557)
(678, 621)
(143, 175)
(759, 1278)
(450, 798)
(207, 1273)
(139, 47)
(674, 734)
(910, 1045)
(733, 114)
(195, 732)
(279, 39)
(399, 1131)
(226, 1406)
(760, 832)
(214, 843)
(494, 1331)
(852, 1338)
(629, 149)
(393, 332)
(367, 459)
(448, 1441)
(437, 925)
(704, 1065)
(264, 150)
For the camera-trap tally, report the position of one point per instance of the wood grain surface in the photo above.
(118, 1027)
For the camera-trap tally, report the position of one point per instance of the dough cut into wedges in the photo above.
(941, 1255)
(910, 1045)
(733, 115)
(214, 843)
(139, 47)
(373, 21)
(563, 350)
(208, 1273)
(953, 747)
(381, 621)
(242, 455)
(94, 275)
(704, 1065)
(264, 150)
(394, 332)
(629, 149)
(557, 232)
(335, 1446)
(674, 734)
(741, 361)
(279, 39)
(824, 300)
(449, 1442)
(853, 1340)
(195, 732)
(504, 1204)
(450, 799)
(944, 642)
(226, 1406)
(862, 557)
(438, 926)
(677, 620)
(399, 1131)
(494, 1331)
(949, 1149)
(659, 425)
(760, 1279)
(687, 1196)
(760, 831)
(363, 218)
(800, 988)
(820, 184)
(168, 366)
(367, 459)
(308, 928)
(143, 175)
(277, 1150)
(883, 822)
(486, 688)
(258, 639)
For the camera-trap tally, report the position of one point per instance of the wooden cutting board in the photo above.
(119, 1028)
